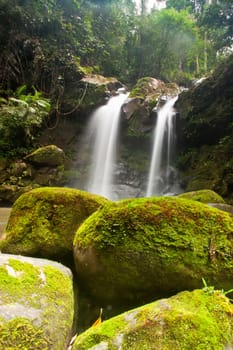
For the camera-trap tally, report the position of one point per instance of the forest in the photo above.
(47, 46)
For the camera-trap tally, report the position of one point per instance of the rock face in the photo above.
(43, 167)
(43, 222)
(36, 304)
(137, 250)
(204, 133)
(202, 319)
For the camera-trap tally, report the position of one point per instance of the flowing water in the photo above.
(160, 168)
(103, 129)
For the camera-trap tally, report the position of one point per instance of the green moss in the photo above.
(195, 320)
(43, 221)
(20, 334)
(204, 196)
(150, 247)
(140, 89)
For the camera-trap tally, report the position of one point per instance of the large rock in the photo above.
(203, 196)
(136, 250)
(43, 221)
(36, 304)
(48, 155)
(139, 111)
(202, 319)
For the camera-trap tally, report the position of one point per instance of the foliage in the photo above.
(52, 44)
(168, 44)
(19, 115)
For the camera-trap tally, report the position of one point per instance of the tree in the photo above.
(168, 45)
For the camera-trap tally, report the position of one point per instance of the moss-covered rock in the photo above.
(36, 304)
(144, 99)
(48, 155)
(141, 249)
(201, 320)
(149, 89)
(43, 221)
(96, 89)
(203, 196)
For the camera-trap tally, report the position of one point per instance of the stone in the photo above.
(43, 222)
(36, 304)
(48, 155)
(203, 196)
(136, 250)
(201, 319)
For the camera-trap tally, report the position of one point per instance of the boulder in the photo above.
(111, 83)
(222, 206)
(202, 319)
(43, 222)
(139, 110)
(36, 304)
(133, 251)
(48, 155)
(204, 196)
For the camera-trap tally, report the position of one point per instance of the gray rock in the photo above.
(36, 303)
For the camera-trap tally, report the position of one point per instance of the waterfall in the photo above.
(103, 129)
(160, 167)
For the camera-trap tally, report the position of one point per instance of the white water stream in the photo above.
(158, 180)
(103, 128)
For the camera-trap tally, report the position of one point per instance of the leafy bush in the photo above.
(19, 115)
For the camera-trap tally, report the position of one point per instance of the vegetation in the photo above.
(19, 116)
(49, 45)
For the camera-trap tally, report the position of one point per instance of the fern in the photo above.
(19, 115)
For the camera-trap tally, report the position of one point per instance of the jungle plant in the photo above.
(19, 116)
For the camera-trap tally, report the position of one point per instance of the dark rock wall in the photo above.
(205, 132)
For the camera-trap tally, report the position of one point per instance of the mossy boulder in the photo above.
(201, 320)
(96, 90)
(204, 196)
(140, 110)
(36, 304)
(43, 221)
(137, 250)
(48, 155)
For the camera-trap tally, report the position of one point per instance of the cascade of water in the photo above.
(104, 130)
(158, 180)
